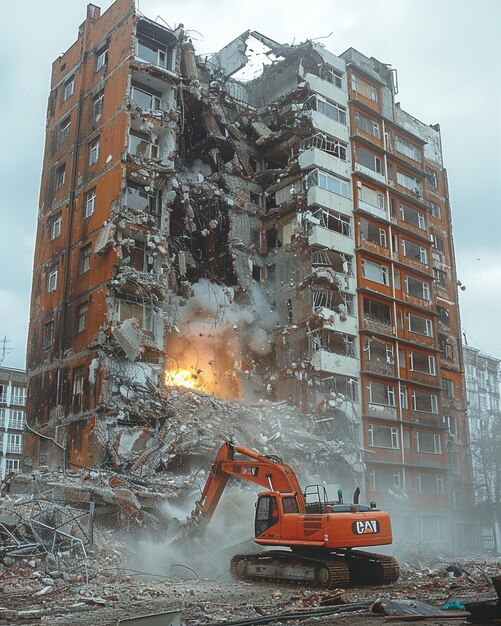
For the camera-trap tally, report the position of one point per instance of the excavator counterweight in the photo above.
(319, 536)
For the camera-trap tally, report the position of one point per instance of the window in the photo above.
(364, 89)
(430, 483)
(370, 232)
(52, 278)
(444, 345)
(383, 437)
(331, 110)
(435, 210)
(78, 380)
(68, 89)
(438, 243)
(444, 315)
(48, 335)
(433, 529)
(384, 481)
(328, 182)
(375, 272)
(289, 504)
(55, 226)
(411, 216)
(420, 325)
(89, 203)
(483, 402)
(494, 403)
(84, 261)
(408, 149)
(18, 395)
(94, 151)
(369, 160)
(101, 58)
(413, 251)
(366, 124)
(372, 197)
(142, 145)
(141, 200)
(64, 131)
(331, 75)
(145, 97)
(409, 182)
(334, 221)
(431, 177)
(417, 288)
(448, 387)
(376, 311)
(379, 393)
(14, 444)
(425, 402)
(404, 397)
(60, 177)
(470, 371)
(134, 308)
(422, 363)
(82, 317)
(16, 419)
(427, 442)
(440, 278)
(451, 424)
(12, 465)
(97, 104)
(152, 52)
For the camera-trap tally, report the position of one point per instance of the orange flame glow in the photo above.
(182, 378)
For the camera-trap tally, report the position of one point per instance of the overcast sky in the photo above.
(447, 54)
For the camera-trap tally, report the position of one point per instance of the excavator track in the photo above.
(339, 569)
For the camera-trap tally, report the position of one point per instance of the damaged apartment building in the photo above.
(285, 237)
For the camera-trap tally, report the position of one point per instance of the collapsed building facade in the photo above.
(283, 238)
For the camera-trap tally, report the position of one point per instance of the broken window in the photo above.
(143, 145)
(375, 272)
(60, 177)
(420, 325)
(328, 73)
(383, 437)
(89, 202)
(330, 258)
(411, 216)
(444, 346)
(440, 278)
(331, 110)
(410, 182)
(427, 442)
(138, 198)
(378, 351)
(82, 317)
(84, 261)
(64, 131)
(153, 52)
(431, 177)
(369, 160)
(94, 151)
(417, 288)
(408, 149)
(435, 210)
(131, 307)
(413, 251)
(366, 124)
(424, 363)
(52, 278)
(69, 86)
(372, 197)
(78, 380)
(438, 243)
(145, 97)
(48, 335)
(97, 105)
(448, 387)
(379, 393)
(101, 58)
(370, 232)
(326, 143)
(425, 402)
(334, 221)
(272, 238)
(376, 311)
(328, 182)
(337, 343)
(444, 315)
(55, 226)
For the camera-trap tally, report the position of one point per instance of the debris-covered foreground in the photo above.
(58, 565)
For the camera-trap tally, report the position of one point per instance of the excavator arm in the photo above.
(267, 472)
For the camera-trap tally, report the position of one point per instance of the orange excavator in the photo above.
(319, 535)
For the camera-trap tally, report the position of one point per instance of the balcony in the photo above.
(330, 126)
(321, 236)
(381, 368)
(382, 411)
(327, 89)
(373, 210)
(321, 197)
(333, 320)
(325, 361)
(14, 448)
(368, 172)
(315, 157)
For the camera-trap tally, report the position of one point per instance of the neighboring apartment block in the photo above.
(286, 237)
(13, 384)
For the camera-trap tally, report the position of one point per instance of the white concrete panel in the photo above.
(330, 200)
(327, 89)
(329, 126)
(381, 213)
(366, 170)
(331, 239)
(314, 157)
(336, 363)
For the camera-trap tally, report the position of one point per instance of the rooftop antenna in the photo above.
(3, 349)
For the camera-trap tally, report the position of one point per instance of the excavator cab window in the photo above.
(266, 514)
(289, 504)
